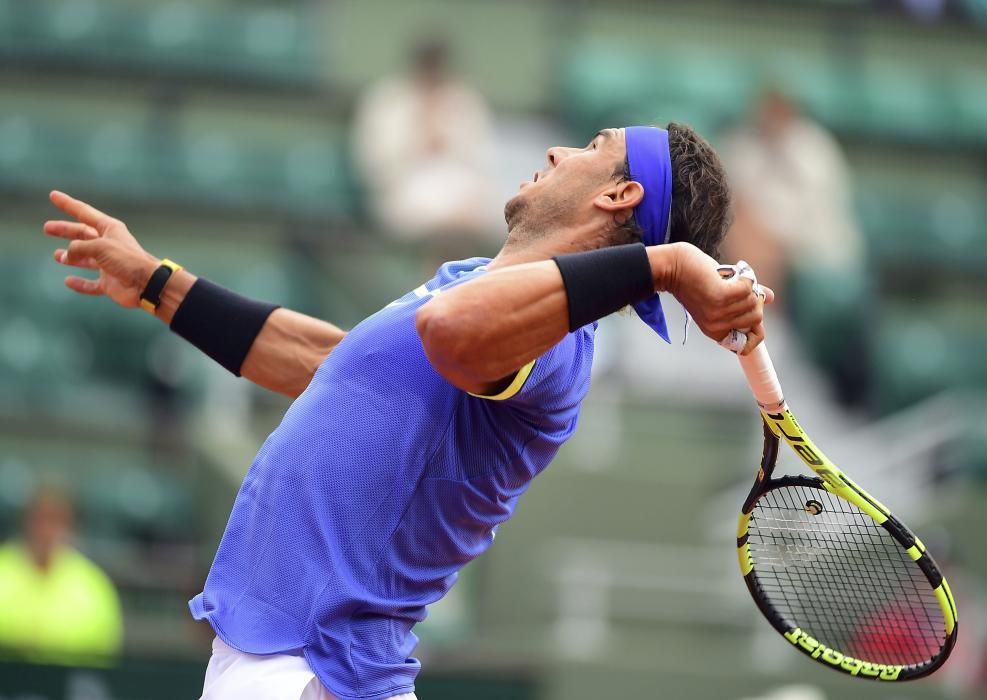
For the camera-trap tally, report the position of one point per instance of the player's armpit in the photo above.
(509, 386)
(288, 350)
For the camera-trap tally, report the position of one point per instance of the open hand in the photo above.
(100, 242)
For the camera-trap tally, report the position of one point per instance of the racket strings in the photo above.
(842, 578)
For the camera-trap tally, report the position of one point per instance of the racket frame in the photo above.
(779, 424)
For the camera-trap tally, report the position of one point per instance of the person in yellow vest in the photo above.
(56, 606)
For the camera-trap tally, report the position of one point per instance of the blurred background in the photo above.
(327, 155)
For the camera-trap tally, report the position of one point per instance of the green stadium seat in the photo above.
(167, 38)
(75, 25)
(969, 94)
(114, 157)
(920, 350)
(596, 83)
(826, 306)
(18, 140)
(895, 226)
(898, 102)
(316, 173)
(298, 178)
(827, 90)
(16, 486)
(944, 230)
(603, 86)
(831, 312)
(281, 44)
(56, 349)
(721, 83)
(977, 9)
(915, 362)
(172, 27)
(904, 102)
(959, 227)
(128, 499)
(967, 455)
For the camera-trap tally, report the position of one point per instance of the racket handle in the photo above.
(757, 366)
(763, 379)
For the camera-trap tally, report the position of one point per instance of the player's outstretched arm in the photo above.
(285, 353)
(478, 335)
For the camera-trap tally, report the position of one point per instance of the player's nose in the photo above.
(557, 154)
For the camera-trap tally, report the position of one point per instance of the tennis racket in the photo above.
(829, 566)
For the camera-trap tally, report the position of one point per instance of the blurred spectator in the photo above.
(793, 202)
(57, 606)
(423, 143)
(795, 225)
(925, 10)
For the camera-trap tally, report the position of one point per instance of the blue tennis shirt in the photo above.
(382, 481)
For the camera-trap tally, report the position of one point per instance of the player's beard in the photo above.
(514, 212)
(529, 218)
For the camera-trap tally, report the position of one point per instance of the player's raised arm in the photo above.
(477, 335)
(273, 347)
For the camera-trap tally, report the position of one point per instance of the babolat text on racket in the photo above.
(829, 566)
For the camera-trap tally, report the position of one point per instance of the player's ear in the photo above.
(620, 198)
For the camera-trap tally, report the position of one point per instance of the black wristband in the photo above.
(602, 281)
(220, 323)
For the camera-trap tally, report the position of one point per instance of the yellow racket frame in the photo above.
(782, 425)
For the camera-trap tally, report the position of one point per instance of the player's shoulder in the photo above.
(455, 271)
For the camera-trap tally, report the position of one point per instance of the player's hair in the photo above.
(701, 208)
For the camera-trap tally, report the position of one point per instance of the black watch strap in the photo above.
(151, 296)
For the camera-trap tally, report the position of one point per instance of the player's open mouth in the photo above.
(532, 181)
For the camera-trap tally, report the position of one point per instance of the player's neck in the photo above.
(521, 248)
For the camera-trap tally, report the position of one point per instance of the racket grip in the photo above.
(763, 379)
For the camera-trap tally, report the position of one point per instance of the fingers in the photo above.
(70, 230)
(79, 252)
(755, 336)
(750, 318)
(739, 291)
(730, 314)
(745, 314)
(736, 289)
(80, 210)
(87, 263)
(753, 320)
(742, 307)
(84, 286)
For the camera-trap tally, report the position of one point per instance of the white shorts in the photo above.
(233, 675)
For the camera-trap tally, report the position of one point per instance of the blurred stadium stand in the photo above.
(266, 45)
(217, 130)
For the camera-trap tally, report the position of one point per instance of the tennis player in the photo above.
(413, 435)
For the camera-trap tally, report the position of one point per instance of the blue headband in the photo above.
(651, 165)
